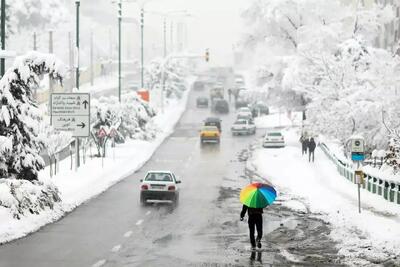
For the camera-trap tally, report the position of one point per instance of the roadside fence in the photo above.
(389, 190)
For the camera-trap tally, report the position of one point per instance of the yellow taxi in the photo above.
(209, 134)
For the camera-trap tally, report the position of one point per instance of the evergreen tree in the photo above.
(20, 117)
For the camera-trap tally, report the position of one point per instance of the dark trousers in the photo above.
(255, 221)
(311, 154)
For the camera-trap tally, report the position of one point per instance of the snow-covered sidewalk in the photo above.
(91, 179)
(319, 189)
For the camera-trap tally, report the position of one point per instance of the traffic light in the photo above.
(207, 55)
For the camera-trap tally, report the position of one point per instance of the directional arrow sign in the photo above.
(82, 125)
(71, 113)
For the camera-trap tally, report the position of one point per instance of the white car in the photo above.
(159, 185)
(243, 127)
(244, 112)
(273, 139)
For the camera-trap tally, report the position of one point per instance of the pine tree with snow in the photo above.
(20, 117)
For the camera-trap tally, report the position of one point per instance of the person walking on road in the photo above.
(304, 144)
(311, 148)
(255, 221)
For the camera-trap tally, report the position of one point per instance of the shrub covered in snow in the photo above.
(131, 118)
(22, 197)
(20, 117)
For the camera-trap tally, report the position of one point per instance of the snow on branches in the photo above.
(328, 55)
(20, 117)
(174, 77)
(131, 119)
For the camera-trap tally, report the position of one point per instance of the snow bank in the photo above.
(278, 119)
(374, 233)
(91, 179)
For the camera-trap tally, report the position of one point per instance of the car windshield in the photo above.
(274, 134)
(159, 177)
(210, 128)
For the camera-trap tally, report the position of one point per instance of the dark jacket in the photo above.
(311, 145)
(250, 211)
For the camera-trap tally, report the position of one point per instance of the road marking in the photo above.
(116, 248)
(148, 213)
(99, 263)
(139, 222)
(128, 234)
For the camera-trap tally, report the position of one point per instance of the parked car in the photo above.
(213, 121)
(202, 102)
(220, 106)
(159, 185)
(259, 109)
(210, 134)
(198, 85)
(273, 139)
(243, 127)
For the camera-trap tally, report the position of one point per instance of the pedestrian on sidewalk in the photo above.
(230, 94)
(311, 148)
(255, 221)
(304, 144)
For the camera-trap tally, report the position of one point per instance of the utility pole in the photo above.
(71, 61)
(34, 41)
(51, 85)
(171, 37)
(165, 37)
(3, 36)
(91, 59)
(77, 2)
(119, 49)
(142, 47)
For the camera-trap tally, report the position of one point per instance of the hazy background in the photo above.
(214, 24)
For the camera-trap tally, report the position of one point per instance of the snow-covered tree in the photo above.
(37, 14)
(130, 118)
(20, 117)
(326, 54)
(174, 77)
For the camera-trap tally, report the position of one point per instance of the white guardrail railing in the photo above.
(389, 190)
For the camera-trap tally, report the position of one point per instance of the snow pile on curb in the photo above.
(92, 179)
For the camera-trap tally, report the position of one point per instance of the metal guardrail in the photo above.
(389, 190)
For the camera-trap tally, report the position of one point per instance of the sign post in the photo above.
(113, 134)
(358, 155)
(71, 113)
(101, 134)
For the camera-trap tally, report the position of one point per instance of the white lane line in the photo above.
(128, 234)
(99, 263)
(148, 213)
(116, 248)
(139, 222)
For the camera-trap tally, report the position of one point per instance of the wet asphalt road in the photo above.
(203, 230)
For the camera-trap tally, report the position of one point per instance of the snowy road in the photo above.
(115, 230)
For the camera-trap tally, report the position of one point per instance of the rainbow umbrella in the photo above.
(257, 195)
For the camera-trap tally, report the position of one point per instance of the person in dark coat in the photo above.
(304, 144)
(255, 221)
(311, 148)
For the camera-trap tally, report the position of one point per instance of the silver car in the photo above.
(273, 139)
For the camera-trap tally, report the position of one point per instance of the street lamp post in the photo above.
(3, 36)
(142, 47)
(119, 49)
(77, 2)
